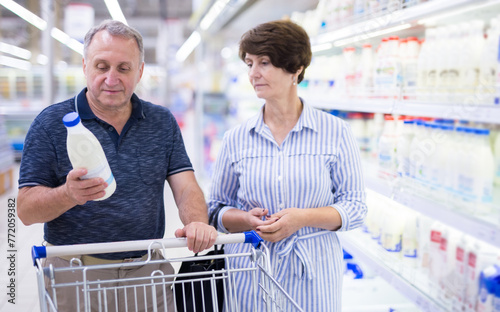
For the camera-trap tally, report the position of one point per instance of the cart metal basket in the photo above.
(122, 294)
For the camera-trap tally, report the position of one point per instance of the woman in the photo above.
(292, 173)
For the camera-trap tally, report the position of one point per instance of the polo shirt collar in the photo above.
(306, 120)
(83, 108)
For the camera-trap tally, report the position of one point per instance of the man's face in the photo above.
(112, 68)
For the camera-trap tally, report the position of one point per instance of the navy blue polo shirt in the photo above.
(148, 150)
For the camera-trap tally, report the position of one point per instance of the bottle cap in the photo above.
(71, 119)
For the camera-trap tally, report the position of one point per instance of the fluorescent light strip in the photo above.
(65, 39)
(15, 62)
(321, 47)
(362, 37)
(24, 14)
(188, 46)
(212, 14)
(39, 23)
(432, 20)
(16, 51)
(115, 11)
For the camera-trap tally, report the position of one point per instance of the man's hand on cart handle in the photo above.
(200, 236)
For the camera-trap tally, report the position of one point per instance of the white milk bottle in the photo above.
(488, 66)
(392, 230)
(85, 151)
(410, 67)
(403, 149)
(409, 247)
(484, 162)
(387, 147)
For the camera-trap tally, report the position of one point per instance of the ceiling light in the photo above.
(16, 51)
(212, 14)
(65, 39)
(39, 23)
(188, 46)
(115, 11)
(371, 35)
(24, 14)
(15, 62)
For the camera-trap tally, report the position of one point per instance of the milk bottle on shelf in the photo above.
(488, 65)
(425, 62)
(392, 230)
(364, 72)
(471, 56)
(387, 147)
(85, 151)
(409, 247)
(410, 69)
(403, 149)
(484, 163)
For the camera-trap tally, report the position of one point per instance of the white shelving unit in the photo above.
(486, 231)
(403, 278)
(410, 282)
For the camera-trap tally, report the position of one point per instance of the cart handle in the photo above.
(38, 252)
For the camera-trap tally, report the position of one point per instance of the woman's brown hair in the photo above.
(284, 42)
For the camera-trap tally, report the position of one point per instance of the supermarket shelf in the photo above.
(480, 229)
(478, 113)
(410, 282)
(396, 18)
(384, 106)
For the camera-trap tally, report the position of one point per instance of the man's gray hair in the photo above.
(114, 28)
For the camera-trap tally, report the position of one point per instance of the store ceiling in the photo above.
(146, 16)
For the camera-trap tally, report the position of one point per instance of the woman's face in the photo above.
(268, 81)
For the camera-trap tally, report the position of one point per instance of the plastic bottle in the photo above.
(488, 65)
(387, 147)
(480, 255)
(487, 287)
(416, 156)
(485, 171)
(410, 71)
(471, 56)
(392, 230)
(85, 151)
(364, 72)
(403, 149)
(409, 247)
(350, 69)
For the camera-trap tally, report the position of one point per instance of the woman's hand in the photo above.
(257, 217)
(282, 224)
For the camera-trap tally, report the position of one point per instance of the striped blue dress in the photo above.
(318, 164)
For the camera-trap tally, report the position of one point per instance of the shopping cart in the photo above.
(95, 295)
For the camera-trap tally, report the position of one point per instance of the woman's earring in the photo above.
(294, 83)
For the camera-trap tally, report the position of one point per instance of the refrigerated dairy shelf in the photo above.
(485, 231)
(477, 113)
(388, 19)
(410, 282)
